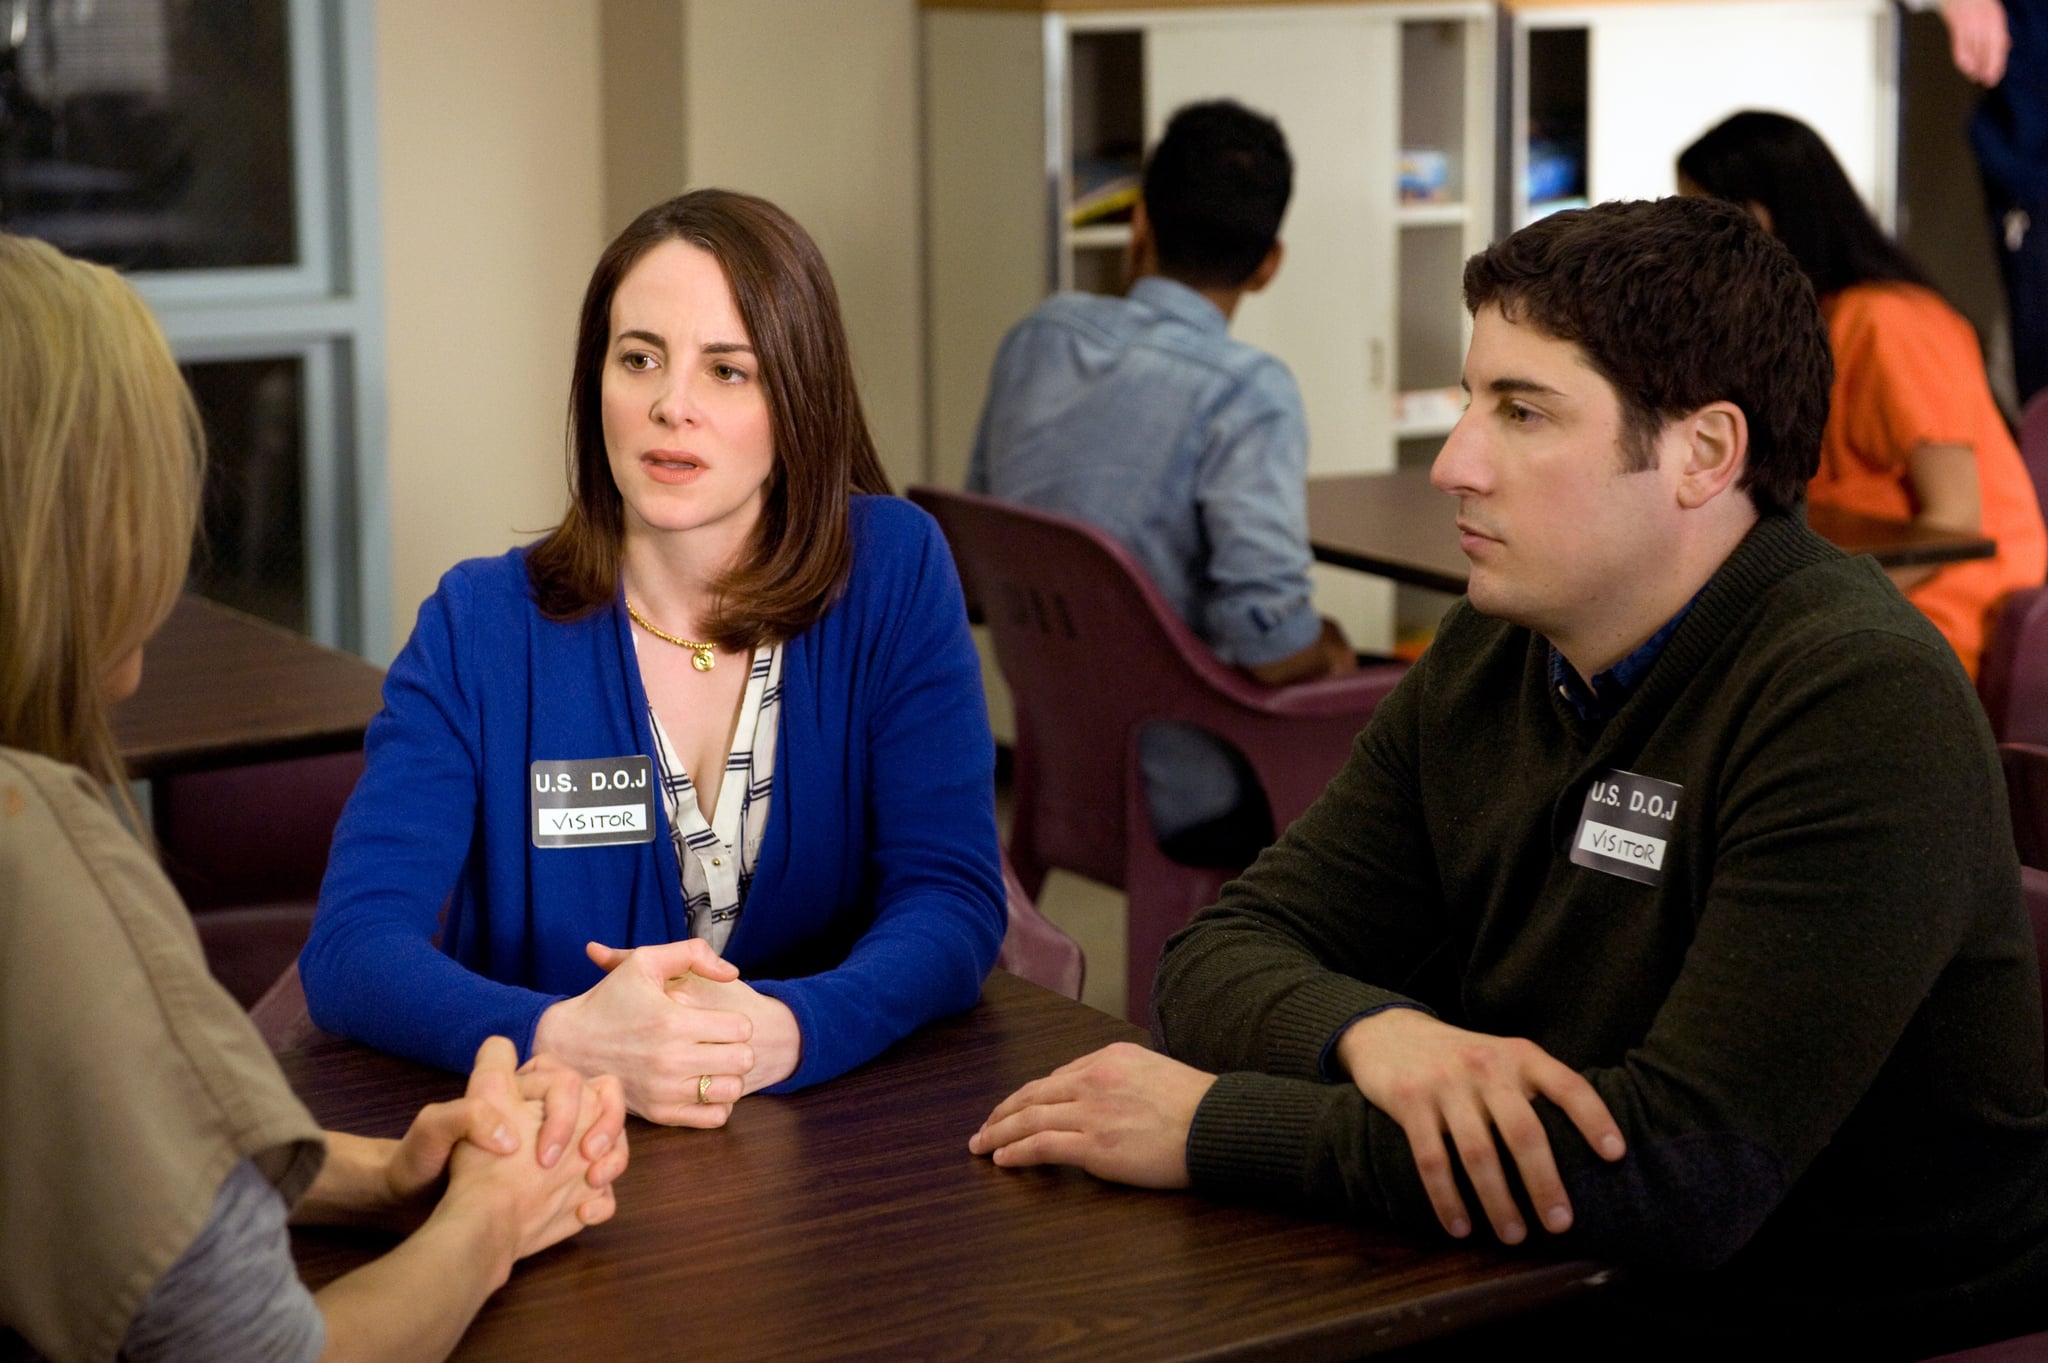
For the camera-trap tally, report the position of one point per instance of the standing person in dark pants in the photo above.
(2004, 48)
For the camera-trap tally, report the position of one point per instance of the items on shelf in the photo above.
(1103, 189)
(1432, 409)
(1557, 170)
(1424, 175)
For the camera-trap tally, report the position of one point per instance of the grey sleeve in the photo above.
(234, 1294)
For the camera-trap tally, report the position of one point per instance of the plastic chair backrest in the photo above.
(2034, 445)
(256, 834)
(1035, 948)
(246, 847)
(1092, 653)
(2034, 882)
(2026, 792)
(246, 946)
(2025, 1349)
(2012, 677)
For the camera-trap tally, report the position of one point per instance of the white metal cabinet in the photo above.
(1659, 75)
(1366, 304)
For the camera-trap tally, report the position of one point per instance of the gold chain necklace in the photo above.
(703, 662)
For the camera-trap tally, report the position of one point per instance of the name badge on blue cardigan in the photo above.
(592, 803)
(1625, 827)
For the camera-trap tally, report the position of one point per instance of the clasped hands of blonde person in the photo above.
(533, 1148)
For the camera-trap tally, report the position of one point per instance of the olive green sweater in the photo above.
(1820, 1028)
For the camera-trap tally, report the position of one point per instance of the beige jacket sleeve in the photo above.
(130, 1082)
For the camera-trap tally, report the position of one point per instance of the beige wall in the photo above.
(518, 135)
(814, 104)
(642, 77)
(488, 120)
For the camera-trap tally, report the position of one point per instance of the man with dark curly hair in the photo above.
(1668, 912)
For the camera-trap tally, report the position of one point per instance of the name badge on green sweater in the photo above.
(1625, 828)
(592, 803)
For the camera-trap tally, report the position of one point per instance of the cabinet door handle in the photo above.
(1376, 367)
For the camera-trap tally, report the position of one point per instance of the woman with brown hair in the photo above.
(149, 1147)
(584, 741)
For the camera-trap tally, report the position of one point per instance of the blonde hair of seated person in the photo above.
(101, 462)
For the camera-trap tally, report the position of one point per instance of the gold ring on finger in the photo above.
(704, 1088)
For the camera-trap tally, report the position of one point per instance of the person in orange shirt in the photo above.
(1913, 432)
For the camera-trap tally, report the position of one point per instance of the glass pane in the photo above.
(252, 550)
(1107, 73)
(1556, 176)
(149, 134)
(1432, 111)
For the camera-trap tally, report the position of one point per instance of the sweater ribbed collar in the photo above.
(1775, 548)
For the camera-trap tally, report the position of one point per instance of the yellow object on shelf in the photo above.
(1110, 202)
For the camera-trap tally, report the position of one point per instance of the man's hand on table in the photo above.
(1121, 1113)
(1440, 1082)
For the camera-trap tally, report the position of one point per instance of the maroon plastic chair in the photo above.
(1035, 948)
(2033, 441)
(246, 847)
(2034, 883)
(2012, 676)
(2026, 790)
(1093, 653)
(2026, 787)
(2026, 1349)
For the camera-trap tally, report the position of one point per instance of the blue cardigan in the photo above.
(877, 899)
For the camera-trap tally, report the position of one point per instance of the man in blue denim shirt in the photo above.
(1141, 416)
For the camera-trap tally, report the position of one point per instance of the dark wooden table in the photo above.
(849, 1221)
(224, 689)
(1396, 525)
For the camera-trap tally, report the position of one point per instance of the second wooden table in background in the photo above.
(1396, 525)
(224, 689)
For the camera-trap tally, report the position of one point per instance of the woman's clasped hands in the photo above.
(685, 1035)
(525, 1158)
(545, 1168)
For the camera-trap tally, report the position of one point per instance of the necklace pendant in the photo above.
(701, 656)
